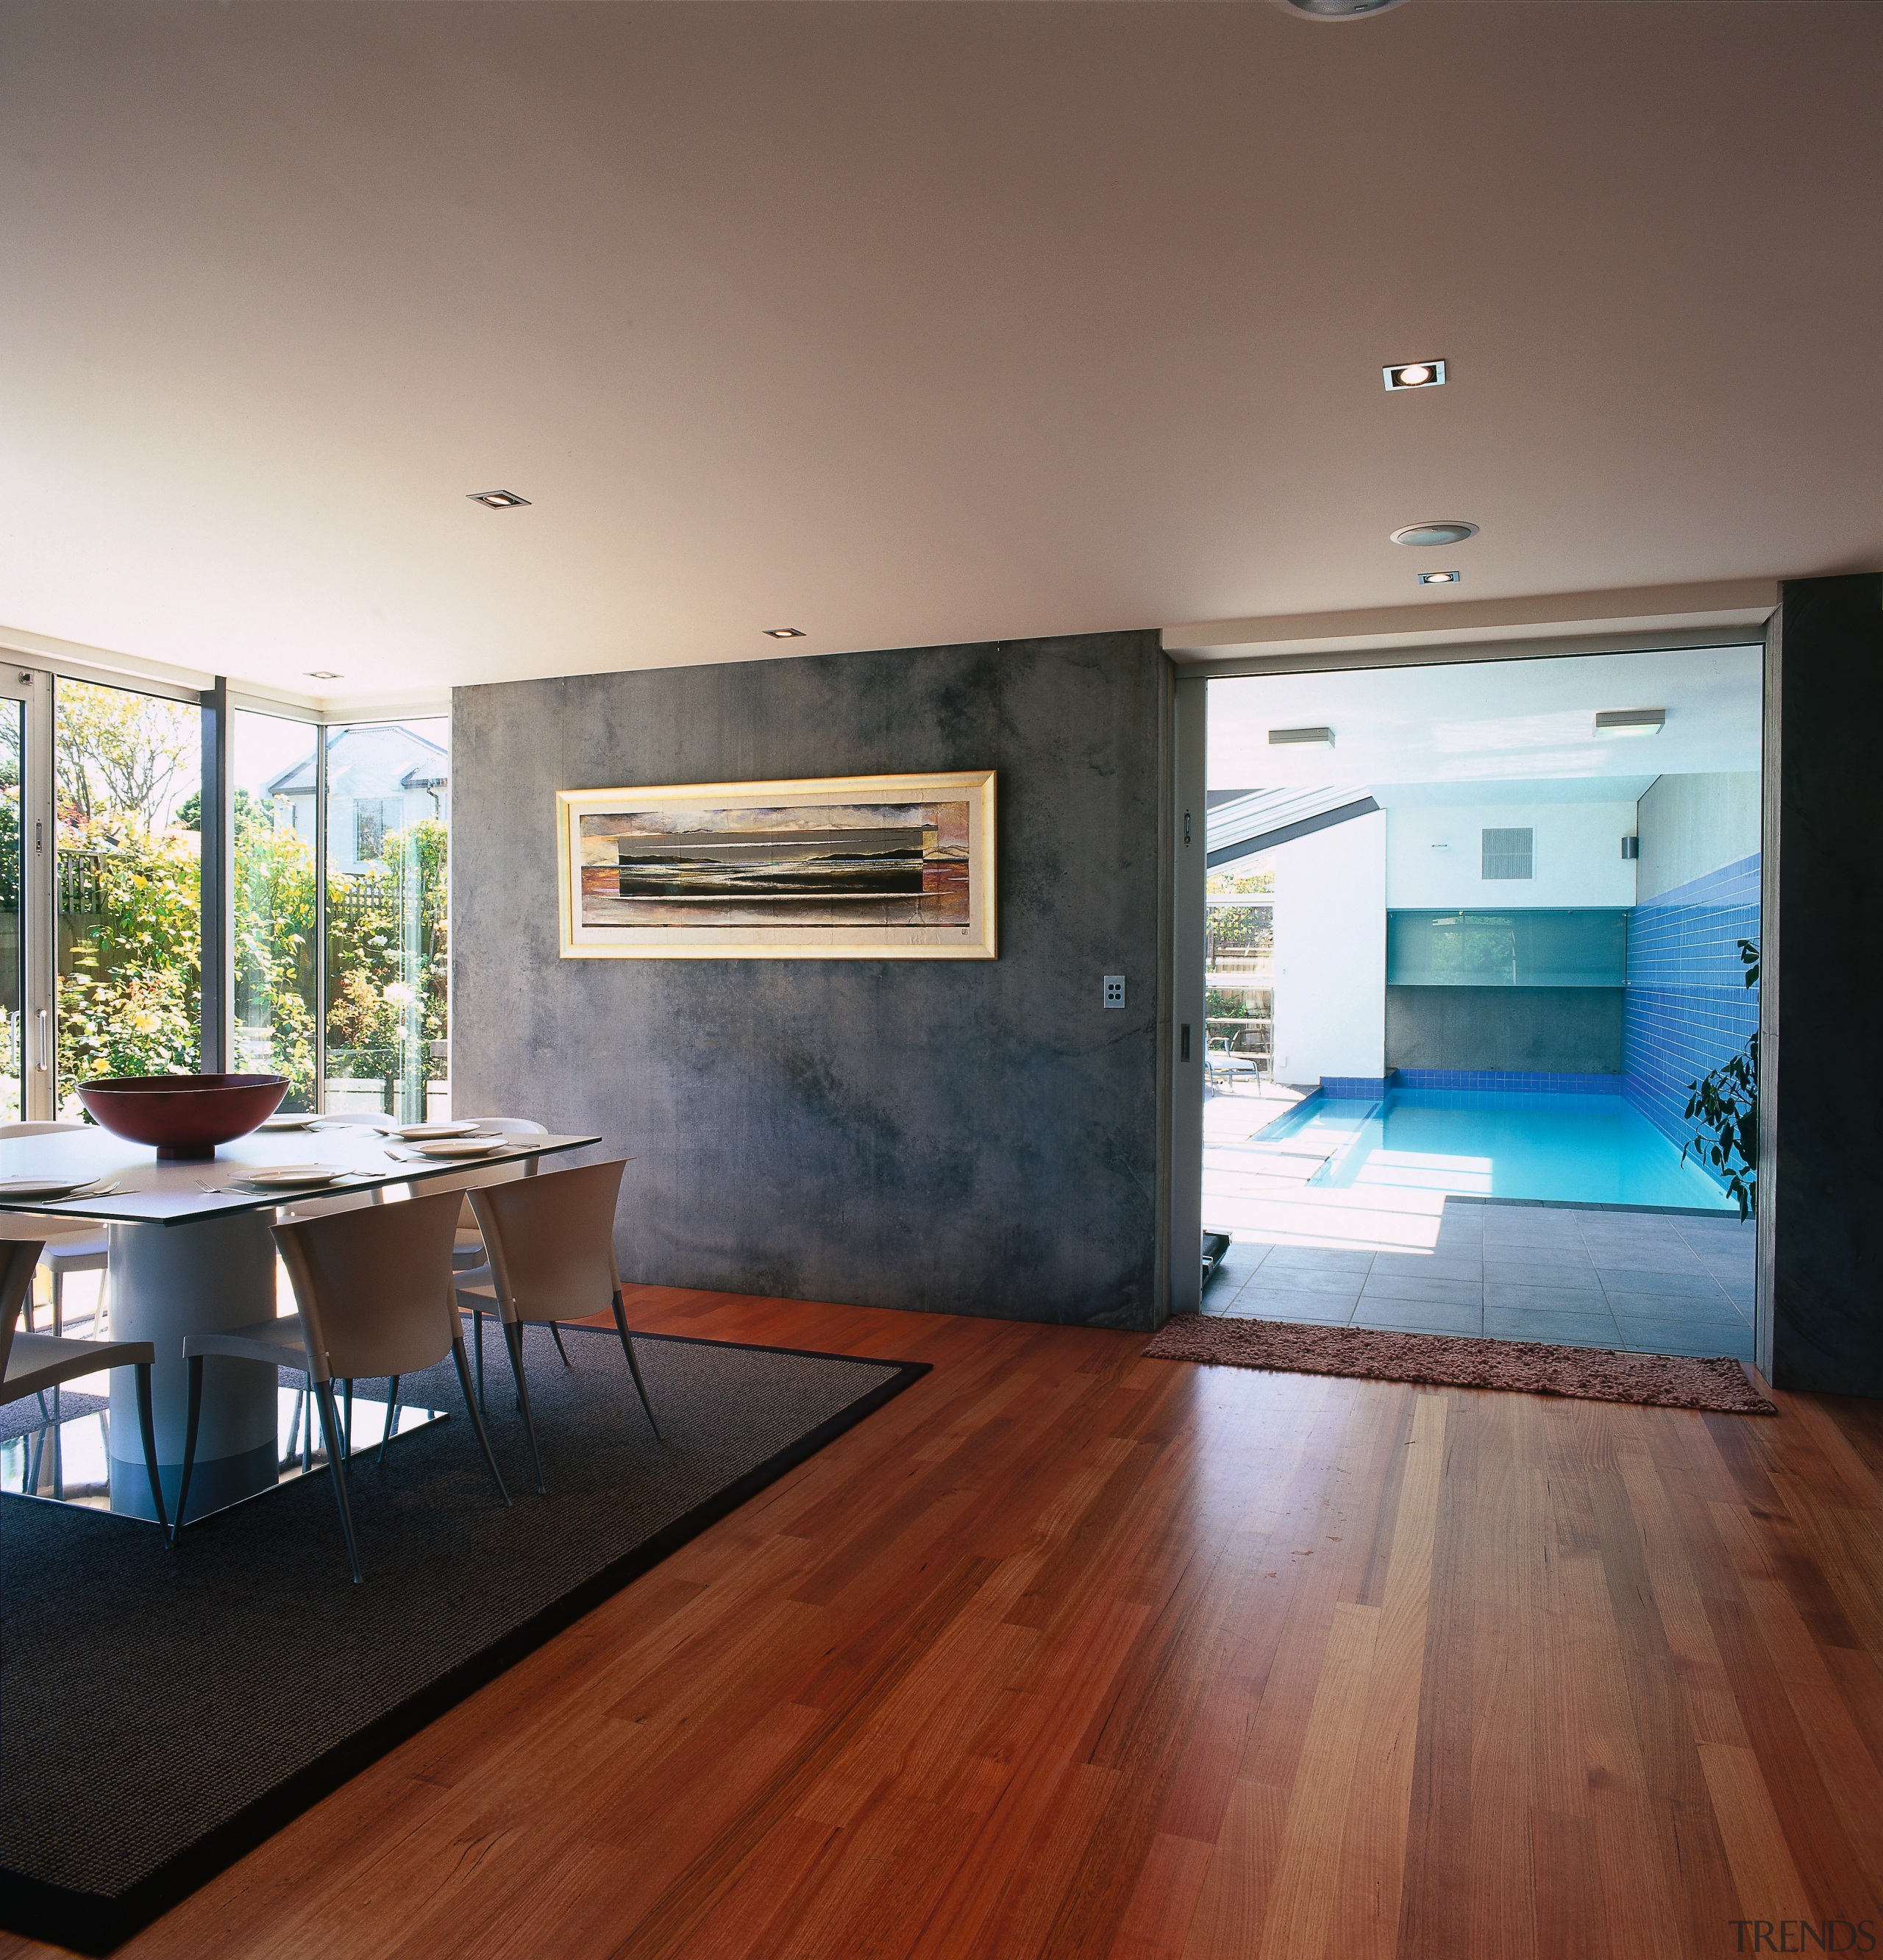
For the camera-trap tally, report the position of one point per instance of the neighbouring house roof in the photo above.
(372, 759)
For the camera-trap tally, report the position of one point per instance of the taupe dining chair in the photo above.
(551, 1244)
(83, 1249)
(31, 1363)
(374, 1289)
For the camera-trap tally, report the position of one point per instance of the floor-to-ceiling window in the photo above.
(128, 838)
(12, 939)
(273, 765)
(330, 965)
(388, 790)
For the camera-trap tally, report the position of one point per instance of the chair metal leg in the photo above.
(556, 1335)
(392, 1419)
(477, 1326)
(348, 1440)
(190, 1422)
(477, 1421)
(634, 1366)
(513, 1340)
(306, 1427)
(59, 1301)
(147, 1429)
(336, 1465)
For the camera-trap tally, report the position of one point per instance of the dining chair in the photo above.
(30, 1364)
(75, 1249)
(374, 1286)
(551, 1244)
(468, 1254)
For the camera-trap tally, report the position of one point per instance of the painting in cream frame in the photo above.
(832, 867)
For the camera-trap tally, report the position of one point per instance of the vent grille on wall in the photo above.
(1508, 854)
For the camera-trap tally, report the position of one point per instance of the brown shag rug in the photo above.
(1459, 1361)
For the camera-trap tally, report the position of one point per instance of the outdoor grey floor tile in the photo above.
(1395, 1287)
(1272, 1303)
(1532, 1235)
(1412, 1316)
(1427, 1266)
(1502, 1294)
(1645, 1259)
(1565, 1270)
(1637, 1279)
(1569, 1330)
(1673, 1337)
(1310, 1279)
(1317, 1258)
(1676, 1306)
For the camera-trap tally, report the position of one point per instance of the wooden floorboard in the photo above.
(1064, 1653)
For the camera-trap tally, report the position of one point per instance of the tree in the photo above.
(120, 755)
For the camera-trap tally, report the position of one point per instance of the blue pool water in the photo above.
(1480, 1143)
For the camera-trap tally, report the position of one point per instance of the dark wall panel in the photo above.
(1558, 1030)
(976, 1136)
(1821, 1230)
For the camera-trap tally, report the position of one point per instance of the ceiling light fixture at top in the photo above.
(1440, 578)
(1340, 10)
(324, 674)
(1301, 738)
(1415, 374)
(784, 633)
(497, 500)
(1435, 531)
(1630, 721)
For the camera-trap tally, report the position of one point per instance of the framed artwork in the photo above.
(833, 867)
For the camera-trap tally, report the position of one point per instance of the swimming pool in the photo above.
(1487, 1143)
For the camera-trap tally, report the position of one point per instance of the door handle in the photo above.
(45, 1059)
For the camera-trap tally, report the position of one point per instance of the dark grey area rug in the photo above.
(161, 1714)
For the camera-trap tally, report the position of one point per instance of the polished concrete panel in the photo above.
(1564, 1030)
(960, 1136)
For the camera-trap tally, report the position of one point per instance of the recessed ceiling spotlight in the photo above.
(1630, 721)
(784, 633)
(1340, 10)
(1436, 531)
(1441, 578)
(1301, 738)
(497, 500)
(1415, 374)
(324, 674)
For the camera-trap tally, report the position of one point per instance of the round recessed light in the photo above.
(324, 674)
(1440, 578)
(1414, 376)
(1340, 10)
(1436, 531)
(784, 633)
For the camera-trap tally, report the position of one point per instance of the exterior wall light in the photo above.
(1616, 721)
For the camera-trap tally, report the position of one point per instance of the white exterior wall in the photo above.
(1330, 952)
(1577, 860)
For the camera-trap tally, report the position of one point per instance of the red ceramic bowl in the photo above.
(185, 1116)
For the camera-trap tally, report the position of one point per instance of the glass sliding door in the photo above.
(128, 892)
(385, 995)
(273, 765)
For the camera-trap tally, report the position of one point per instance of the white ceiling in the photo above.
(909, 323)
(1507, 731)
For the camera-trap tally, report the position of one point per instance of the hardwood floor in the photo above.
(1067, 1653)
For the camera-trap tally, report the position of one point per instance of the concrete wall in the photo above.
(1578, 859)
(1566, 1030)
(1330, 952)
(1689, 825)
(960, 1136)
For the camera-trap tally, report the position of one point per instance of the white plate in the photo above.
(306, 1120)
(464, 1147)
(413, 1132)
(41, 1187)
(294, 1175)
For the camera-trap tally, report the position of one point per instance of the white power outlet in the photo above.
(1114, 989)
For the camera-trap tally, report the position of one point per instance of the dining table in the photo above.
(190, 1252)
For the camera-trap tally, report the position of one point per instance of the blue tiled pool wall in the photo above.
(1687, 1006)
(1526, 1083)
